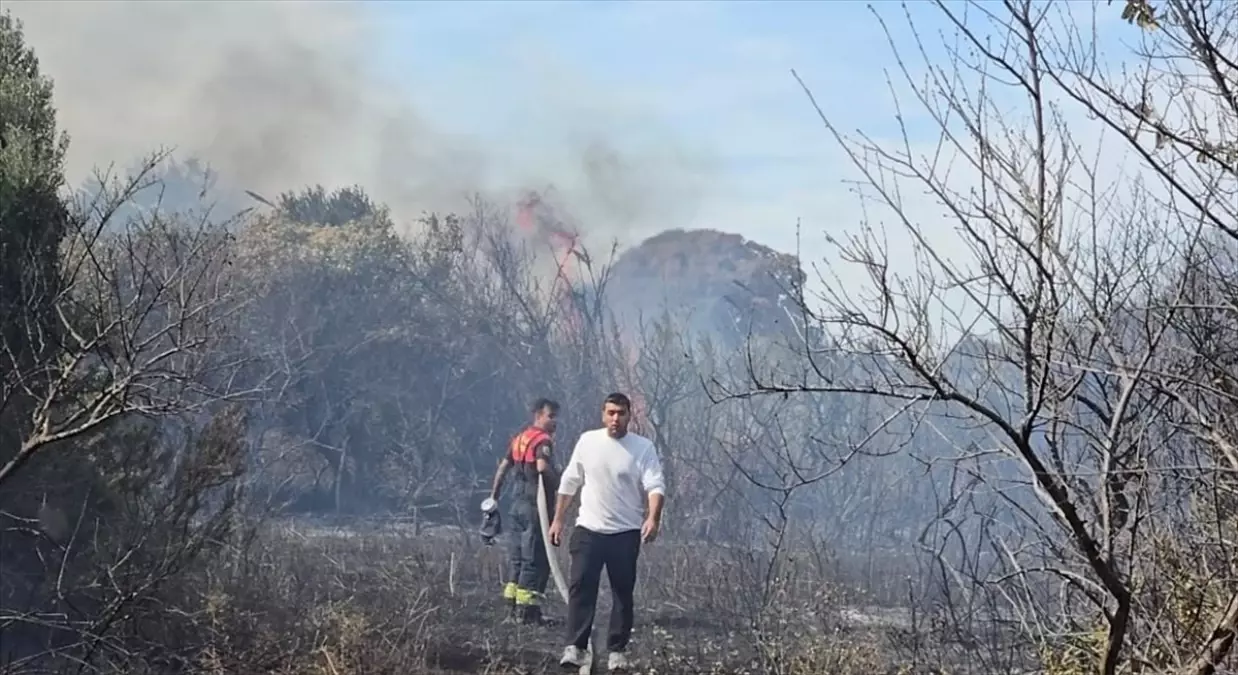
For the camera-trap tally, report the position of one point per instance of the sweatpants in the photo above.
(528, 570)
(590, 552)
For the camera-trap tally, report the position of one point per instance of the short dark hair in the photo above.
(619, 399)
(545, 404)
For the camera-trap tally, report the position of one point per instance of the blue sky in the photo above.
(710, 78)
(713, 78)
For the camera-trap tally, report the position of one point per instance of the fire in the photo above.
(537, 218)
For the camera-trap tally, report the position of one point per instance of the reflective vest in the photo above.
(523, 453)
(524, 445)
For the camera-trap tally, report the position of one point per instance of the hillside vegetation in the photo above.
(253, 438)
(714, 283)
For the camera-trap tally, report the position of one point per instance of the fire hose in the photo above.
(543, 517)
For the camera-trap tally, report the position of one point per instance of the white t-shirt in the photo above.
(617, 475)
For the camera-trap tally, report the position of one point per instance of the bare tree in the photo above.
(1045, 324)
(1172, 101)
(129, 463)
(143, 325)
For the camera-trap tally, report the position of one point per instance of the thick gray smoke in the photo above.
(276, 95)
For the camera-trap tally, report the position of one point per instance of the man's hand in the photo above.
(649, 531)
(556, 532)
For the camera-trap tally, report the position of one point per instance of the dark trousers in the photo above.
(527, 565)
(591, 552)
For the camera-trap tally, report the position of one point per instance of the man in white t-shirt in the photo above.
(622, 489)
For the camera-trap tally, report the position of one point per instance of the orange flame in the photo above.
(564, 245)
(529, 216)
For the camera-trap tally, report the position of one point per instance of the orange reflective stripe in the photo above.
(524, 444)
(536, 438)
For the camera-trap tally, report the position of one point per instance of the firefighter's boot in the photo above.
(532, 615)
(511, 611)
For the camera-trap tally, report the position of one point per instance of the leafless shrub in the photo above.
(127, 469)
(1054, 358)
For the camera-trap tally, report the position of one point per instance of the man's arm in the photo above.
(561, 505)
(499, 475)
(654, 481)
(569, 483)
(546, 467)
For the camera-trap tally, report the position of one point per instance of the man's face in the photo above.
(616, 418)
(547, 420)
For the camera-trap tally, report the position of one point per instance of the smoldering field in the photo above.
(255, 441)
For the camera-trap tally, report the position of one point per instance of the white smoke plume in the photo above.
(278, 95)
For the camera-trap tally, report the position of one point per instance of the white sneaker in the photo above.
(618, 662)
(574, 657)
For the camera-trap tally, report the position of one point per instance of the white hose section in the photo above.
(543, 516)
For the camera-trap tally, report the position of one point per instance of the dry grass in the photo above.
(340, 603)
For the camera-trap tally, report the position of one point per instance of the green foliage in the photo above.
(313, 205)
(31, 150)
(32, 216)
(31, 170)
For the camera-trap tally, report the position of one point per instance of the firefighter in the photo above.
(528, 455)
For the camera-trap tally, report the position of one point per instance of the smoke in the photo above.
(278, 95)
